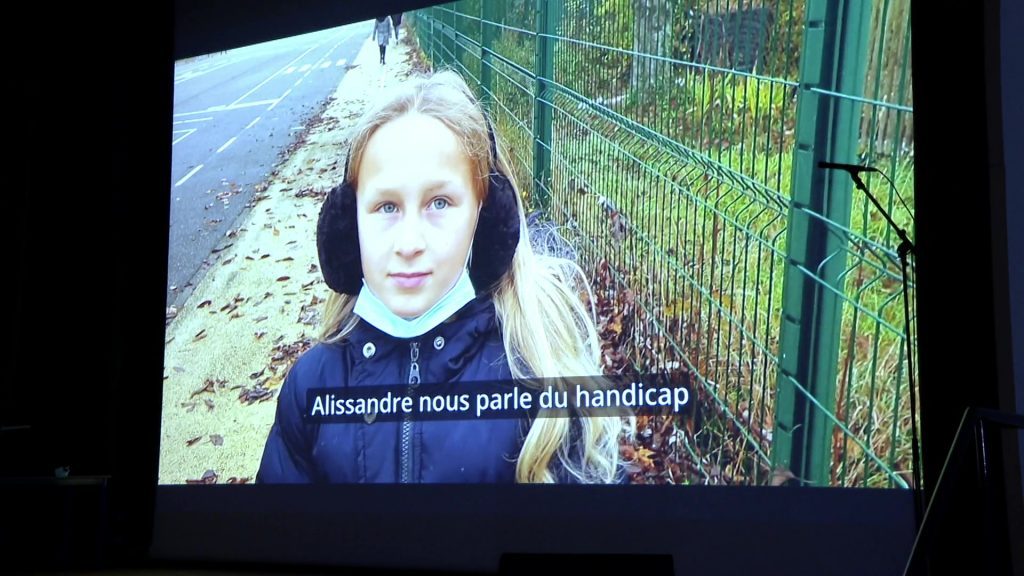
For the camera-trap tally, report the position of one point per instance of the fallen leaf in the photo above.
(222, 248)
(199, 335)
(193, 441)
(283, 278)
(615, 327)
(310, 313)
(285, 259)
(209, 477)
(643, 456)
(207, 387)
(264, 256)
(256, 393)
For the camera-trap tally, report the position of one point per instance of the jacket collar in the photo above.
(454, 340)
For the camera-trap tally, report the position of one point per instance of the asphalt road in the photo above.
(234, 114)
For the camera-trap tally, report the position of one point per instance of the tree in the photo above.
(652, 26)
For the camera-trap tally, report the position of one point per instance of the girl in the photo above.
(427, 253)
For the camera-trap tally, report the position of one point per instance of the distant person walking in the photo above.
(382, 32)
(396, 21)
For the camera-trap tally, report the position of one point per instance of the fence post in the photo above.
(549, 14)
(487, 36)
(433, 36)
(834, 60)
(457, 50)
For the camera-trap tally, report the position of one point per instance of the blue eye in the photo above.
(439, 203)
(388, 208)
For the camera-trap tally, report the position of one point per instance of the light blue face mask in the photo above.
(370, 308)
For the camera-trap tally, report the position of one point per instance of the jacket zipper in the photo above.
(406, 449)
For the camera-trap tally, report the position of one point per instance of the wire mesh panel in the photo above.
(674, 143)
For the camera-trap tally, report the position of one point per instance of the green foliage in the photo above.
(681, 192)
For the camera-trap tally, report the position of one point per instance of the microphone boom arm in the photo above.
(906, 246)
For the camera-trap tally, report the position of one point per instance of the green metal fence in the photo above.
(675, 142)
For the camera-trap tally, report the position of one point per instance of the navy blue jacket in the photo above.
(467, 347)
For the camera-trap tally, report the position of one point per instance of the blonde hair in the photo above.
(547, 330)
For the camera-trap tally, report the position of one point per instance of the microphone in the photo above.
(851, 168)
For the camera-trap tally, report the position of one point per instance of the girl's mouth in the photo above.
(410, 279)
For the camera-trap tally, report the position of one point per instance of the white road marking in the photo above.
(187, 176)
(286, 92)
(193, 120)
(226, 144)
(184, 134)
(223, 108)
(269, 78)
(253, 123)
(190, 74)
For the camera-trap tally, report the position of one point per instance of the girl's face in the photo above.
(416, 212)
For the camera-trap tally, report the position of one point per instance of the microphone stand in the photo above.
(905, 248)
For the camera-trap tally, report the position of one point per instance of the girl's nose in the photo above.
(410, 239)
